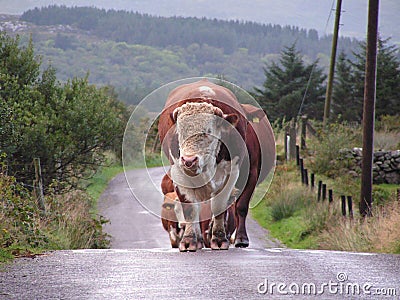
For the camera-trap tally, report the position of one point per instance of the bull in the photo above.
(213, 148)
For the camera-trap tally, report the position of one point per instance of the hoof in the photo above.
(174, 244)
(188, 244)
(218, 243)
(241, 243)
(200, 244)
(220, 246)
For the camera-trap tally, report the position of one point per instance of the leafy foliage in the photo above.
(67, 223)
(67, 126)
(326, 148)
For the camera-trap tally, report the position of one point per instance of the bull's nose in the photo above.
(189, 161)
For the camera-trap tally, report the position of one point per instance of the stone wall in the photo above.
(386, 166)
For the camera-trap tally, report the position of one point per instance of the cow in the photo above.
(213, 149)
(169, 219)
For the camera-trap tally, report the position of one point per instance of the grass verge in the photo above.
(293, 215)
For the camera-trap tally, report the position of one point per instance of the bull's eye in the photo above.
(209, 131)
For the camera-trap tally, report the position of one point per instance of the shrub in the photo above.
(326, 149)
(67, 223)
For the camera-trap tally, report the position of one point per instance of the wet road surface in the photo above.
(142, 265)
(136, 224)
(168, 274)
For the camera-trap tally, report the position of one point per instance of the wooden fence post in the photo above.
(303, 132)
(297, 155)
(290, 142)
(286, 143)
(302, 170)
(305, 177)
(38, 184)
(319, 190)
(343, 199)
(330, 195)
(350, 206)
(155, 145)
(312, 181)
(324, 192)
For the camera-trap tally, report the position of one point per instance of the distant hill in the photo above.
(229, 36)
(137, 53)
(308, 14)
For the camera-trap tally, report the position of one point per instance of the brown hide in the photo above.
(223, 99)
(168, 216)
(260, 140)
(252, 126)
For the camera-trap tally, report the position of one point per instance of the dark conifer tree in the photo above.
(285, 87)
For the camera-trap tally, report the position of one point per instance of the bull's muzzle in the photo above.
(190, 162)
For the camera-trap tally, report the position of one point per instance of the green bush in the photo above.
(325, 149)
(66, 224)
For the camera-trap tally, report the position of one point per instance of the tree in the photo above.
(345, 106)
(68, 126)
(388, 78)
(286, 84)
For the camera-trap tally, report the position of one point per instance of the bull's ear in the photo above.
(174, 114)
(253, 113)
(256, 115)
(232, 118)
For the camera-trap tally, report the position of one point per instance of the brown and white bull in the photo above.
(213, 149)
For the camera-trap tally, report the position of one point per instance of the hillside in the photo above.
(137, 53)
(309, 14)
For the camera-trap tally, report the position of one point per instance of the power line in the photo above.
(314, 65)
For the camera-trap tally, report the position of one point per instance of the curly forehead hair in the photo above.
(190, 109)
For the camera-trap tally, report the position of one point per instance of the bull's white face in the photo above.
(199, 129)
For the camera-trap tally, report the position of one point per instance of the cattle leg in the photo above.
(242, 208)
(174, 237)
(188, 214)
(219, 204)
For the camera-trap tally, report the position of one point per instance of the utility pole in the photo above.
(369, 109)
(331, 74)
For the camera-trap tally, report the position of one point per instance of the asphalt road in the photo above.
(136, 224)
(141, 264)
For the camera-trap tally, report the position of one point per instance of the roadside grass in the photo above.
(98, 183)
(284, 208)
(380, 233)
(66, 223)
(292, 214)
(71, 220)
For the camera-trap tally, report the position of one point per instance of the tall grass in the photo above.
(77, 229)
(380, 233)
(66, 224)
